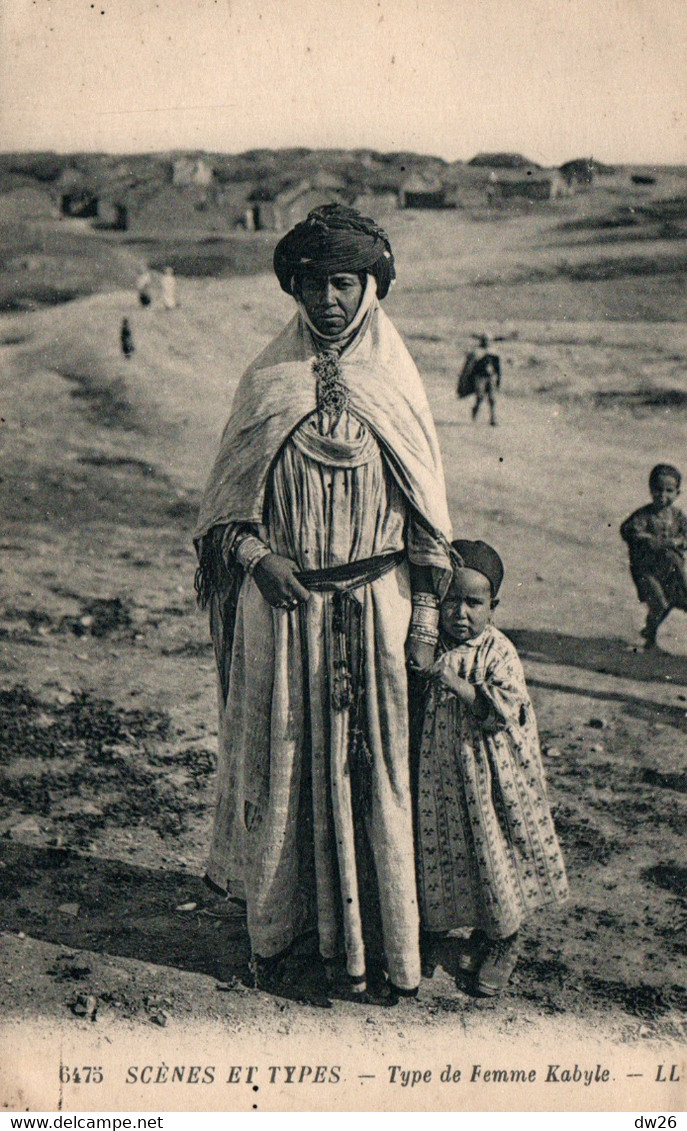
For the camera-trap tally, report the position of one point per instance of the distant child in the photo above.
(169, 289)
(481, 375)
(126, 338)
(488, 855)
(143, 285)
(656, 536)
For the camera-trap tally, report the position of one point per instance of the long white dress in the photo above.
(295, 812)
(314, 825)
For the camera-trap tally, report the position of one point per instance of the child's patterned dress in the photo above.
(488, 855)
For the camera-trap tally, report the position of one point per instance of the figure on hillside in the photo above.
(488, 855)
(143, 284)
(323, 550)
(169, 289)
(126, 338)
(656, 536)
(481, 376)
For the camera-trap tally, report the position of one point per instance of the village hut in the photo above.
(376, 203)
(531, 183)
(579, 173)
(26, 203)
(277, 209)
(419, 191)
(465, 185)
(79, 204)
(188, 210)
(189, 170)
(112, 214)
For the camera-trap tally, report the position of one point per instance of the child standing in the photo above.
(488, 855)
(656, 536)
(126, 338)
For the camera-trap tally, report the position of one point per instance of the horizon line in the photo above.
(151, 152)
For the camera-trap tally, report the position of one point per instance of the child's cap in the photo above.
(664, 469)
(481, 557)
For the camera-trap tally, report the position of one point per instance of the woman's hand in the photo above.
(419, 655)
(275, 577)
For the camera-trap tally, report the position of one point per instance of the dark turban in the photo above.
(334, 239)
(483, 558)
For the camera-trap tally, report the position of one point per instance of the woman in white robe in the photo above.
(324, 513)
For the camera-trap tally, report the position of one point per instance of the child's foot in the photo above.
(498, 965)
(472, 952)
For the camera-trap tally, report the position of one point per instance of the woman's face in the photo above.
(331, 301)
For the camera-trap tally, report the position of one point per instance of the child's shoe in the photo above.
(498, 964)
(472, 952)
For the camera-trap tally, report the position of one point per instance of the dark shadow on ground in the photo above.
(609, 655)
(123, 910)
(644, 709)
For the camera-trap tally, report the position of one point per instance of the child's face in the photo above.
(664, 491)
(466, 608)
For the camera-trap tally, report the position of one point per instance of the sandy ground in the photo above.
(107, 679)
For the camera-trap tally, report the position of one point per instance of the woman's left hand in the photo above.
(419, 656)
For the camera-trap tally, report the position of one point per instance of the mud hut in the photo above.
(418, 191)
(277, 209)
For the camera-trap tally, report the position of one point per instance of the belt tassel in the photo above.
(348, 687)
(342, 676)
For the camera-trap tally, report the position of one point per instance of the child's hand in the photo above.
(445, 677)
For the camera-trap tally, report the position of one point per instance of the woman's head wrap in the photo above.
(334, 239)
(479, 556)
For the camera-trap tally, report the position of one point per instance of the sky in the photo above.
(553, 79)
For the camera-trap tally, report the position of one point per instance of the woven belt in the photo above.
(350, 575)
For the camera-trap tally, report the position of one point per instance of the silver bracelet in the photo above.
(249, 550)
(429, 600)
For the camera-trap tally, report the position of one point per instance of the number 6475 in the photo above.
(87, 1074)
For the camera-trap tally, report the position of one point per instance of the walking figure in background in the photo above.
(126, 338)
(481, 376)
(143, 285)
(169, 289)
(656, 536)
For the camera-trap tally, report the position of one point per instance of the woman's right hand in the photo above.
(275, 577)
